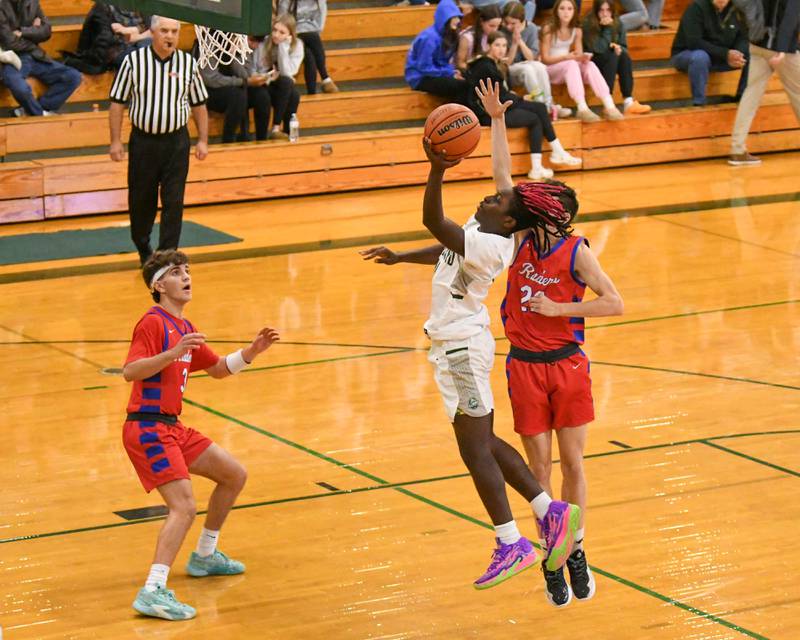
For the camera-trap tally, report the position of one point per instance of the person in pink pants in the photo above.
(562, 52)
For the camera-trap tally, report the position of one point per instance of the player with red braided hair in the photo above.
(548, 373)
(468, 260)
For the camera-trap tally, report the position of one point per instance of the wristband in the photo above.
(235, 362)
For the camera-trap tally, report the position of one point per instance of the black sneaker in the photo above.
(556, 588)
(580, 575)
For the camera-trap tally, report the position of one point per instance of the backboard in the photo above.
(235, 16)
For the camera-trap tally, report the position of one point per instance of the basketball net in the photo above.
(220, 47)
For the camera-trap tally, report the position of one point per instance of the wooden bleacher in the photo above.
(89, 183)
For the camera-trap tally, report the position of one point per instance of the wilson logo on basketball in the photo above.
(455, 124)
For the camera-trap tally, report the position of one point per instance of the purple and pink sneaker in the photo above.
(558, 530)
(507, 561)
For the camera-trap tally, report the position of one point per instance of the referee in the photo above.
(162, 84)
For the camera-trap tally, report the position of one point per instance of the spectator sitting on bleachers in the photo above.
(526, 70)
(562, 52)
(474, 41)
(227, 94)
(711, 37)
(282, 54)
(604, 36)
(542, 5)
(258, 80)
(310, 18)
(23, 26)
(491, 69)
(428, 63)
(109, 33)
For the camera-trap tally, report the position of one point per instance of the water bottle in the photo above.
(294, 128)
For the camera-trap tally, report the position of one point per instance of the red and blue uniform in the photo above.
(548, 374)
(162, 448)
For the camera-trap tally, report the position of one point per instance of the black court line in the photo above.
(47, 345)
(327, 486)
(620, 444)
(404, 236)
(752, 458)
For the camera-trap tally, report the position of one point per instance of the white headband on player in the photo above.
(158, 275)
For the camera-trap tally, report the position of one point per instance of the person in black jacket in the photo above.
(710, 37)
(490, 69)
(773, 30)
(23, 26)
(109, 33)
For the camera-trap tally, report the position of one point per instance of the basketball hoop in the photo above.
(220, 47)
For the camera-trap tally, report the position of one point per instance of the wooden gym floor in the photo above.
(358, 520)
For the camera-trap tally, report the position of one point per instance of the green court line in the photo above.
(731, 238)
(469, 518)
(697, 373)
(404, 236)
(454, 476)
(751, 458)
(320, 361)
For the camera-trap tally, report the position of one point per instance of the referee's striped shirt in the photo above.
(160, 91)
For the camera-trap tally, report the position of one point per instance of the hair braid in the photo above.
(549, 206)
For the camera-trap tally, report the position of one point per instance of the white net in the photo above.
(220, 47)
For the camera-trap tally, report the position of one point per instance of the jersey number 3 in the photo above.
(185, 380)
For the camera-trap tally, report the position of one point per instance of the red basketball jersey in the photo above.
(554, 275)
(156, 332)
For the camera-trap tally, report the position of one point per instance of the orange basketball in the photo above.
(453, 128)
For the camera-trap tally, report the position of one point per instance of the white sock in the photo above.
(541, 504)
(328, 79)
(207, 544)
(557, 147)
(578, 539)
(536, 161)
(627, 101)
(608, 103)
(157, 577)
(508, 533)
(582, 106)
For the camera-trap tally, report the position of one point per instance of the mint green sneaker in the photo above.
(217, 564)
(162, 603)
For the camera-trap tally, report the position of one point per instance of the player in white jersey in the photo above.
(468, 259)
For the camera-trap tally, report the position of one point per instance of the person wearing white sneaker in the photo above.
(562, 52)
(484, 74)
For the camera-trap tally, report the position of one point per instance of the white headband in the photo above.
(158, 274)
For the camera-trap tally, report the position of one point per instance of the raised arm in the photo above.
(238, 360)
(489, 95)
(443, 229)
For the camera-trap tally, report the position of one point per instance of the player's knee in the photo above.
(240, 476)
(572, 468)
(185, 508)
(541, 471)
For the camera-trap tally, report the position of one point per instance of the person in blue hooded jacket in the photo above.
(428, 66)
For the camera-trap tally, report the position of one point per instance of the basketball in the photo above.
(453, 128)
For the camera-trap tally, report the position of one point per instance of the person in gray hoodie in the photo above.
(310, 16)
(773, 27)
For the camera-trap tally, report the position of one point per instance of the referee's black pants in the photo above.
(157, 160)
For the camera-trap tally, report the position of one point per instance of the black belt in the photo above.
(544, 356)
(145, 134)
(152, 417)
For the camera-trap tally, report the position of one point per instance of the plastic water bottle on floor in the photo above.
(294, 128)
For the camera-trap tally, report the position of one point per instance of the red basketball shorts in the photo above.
(553, 395)
(160, 452)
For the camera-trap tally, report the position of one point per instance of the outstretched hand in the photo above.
(438, 159)
(489, 96)
(263, 341)
(381, 255)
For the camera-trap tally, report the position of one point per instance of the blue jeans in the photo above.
(697, 63)
(60, 80)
